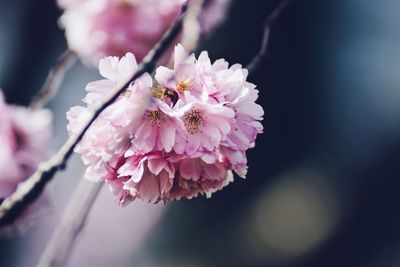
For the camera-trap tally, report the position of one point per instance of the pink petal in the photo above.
(156, 165)
(149, 189)
(190, 169)
(167, 134)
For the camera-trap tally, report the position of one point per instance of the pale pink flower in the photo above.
(159, 177)
(109, 135)
(200, 175)
(24, 137)
(207, 125)
(98, 28)
(183, 77)
(177, 137)
(158, 131)
(149, 176)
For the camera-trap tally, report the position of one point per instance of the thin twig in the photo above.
(255, 62)
(30, 189)
(72, 223)
(54, 79)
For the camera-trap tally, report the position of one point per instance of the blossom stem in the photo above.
(54, 79)
(269, 21)
(72, 223)
(30, 189)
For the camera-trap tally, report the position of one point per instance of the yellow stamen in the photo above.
(126, 5)
(183, 86)
(158, 92)
(155, 118)
(194, 121)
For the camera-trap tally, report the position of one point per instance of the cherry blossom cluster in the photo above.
(24, 139)
(177, 136)
(98, 28)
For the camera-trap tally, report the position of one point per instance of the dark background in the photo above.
(323, 187)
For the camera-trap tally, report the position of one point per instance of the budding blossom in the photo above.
(24, 138)
(176, 137)
(98, 28)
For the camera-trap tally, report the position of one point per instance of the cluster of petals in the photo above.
(24, 138)
(99, 28)
(177, 136)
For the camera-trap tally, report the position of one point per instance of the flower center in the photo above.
(193, 121)
(187, 184)
(183, 86)
(126, 6)
(155, 118)
(158, 92)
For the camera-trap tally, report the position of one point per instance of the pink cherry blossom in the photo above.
(176, 137)
(200, 175)
(24, 136)
(206, 125)
(98, 28)
(109, 135)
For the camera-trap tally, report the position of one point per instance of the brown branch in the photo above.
(54, 79)
(30, 189)
(255, 62)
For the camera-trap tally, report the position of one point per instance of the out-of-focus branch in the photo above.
(30, 189)
(54, 79)
(48, 91)
(72, 223)
(191, 26)
(255, 62)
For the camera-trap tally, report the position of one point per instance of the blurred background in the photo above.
(323, 186)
